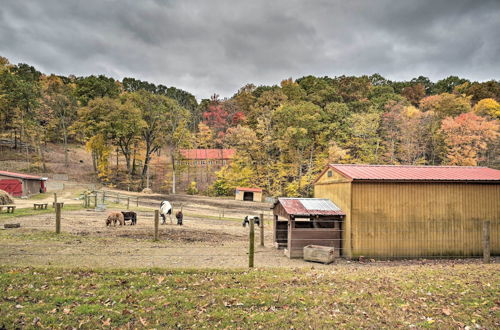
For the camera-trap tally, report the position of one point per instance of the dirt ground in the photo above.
(87, 242)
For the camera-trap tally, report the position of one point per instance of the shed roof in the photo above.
(249, 189)
(308, 206)
(207, 153)
(417, 173)
(21, 176)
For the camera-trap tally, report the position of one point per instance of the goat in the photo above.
(165, 209)
(132, 216)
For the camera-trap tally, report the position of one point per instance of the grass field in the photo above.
(422, 296)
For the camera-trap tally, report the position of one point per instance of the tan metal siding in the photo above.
(340, 194)
(422, 219)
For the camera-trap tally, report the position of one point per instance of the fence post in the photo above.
(262, 229)
(251, 248)
(137, 202)
(117, 198)
(58, 218)
(86, 200)
(95, 199)
(55, 199)
(128, 203)
(486, 241)
(157, 221)
(103, 197)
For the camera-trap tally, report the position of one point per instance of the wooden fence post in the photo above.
(262, 229)
(251, 248)
(137, 202)
(95, 199)
(103, 197)
(58, 218)
(55, 199)
(86, 200)
(128, 203)
(157, 221)
(486, 241)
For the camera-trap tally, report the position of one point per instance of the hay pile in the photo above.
(5, 198)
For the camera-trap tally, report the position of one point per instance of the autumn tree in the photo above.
(61, 107)
(467, 137)
(488, 107)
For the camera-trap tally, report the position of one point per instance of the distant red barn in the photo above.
(19, 184)
(202, 157)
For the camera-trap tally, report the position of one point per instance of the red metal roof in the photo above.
(21, 176)
(249, 189)
(309, 206)
(417, 173)
(207, 153)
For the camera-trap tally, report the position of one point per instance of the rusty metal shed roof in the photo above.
(409, 173)
(22, 176)
(309, 206)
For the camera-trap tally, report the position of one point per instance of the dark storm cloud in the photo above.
(218, 46)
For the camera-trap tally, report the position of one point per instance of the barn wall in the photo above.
(421, 219)
(338, 190)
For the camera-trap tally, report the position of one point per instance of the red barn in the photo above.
(18, 184)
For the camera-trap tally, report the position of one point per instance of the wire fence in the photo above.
(365, 239)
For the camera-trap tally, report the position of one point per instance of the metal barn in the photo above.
(412, 211)
(299, 222)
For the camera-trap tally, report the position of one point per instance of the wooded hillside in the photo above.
(284, 134)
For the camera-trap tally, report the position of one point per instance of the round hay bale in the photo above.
(5, 198)
(147, 191)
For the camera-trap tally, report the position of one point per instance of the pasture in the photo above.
(204, 241)
(196, 275)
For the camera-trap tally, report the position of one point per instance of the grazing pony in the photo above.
(115, 217)
(165, 209)
(179, 217)
(132, 216)
(246, 221)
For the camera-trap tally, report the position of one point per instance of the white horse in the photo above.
(166, 209)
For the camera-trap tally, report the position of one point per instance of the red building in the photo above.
(18, 184)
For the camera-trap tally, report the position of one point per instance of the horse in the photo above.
(179, 217)
(132, 216)
(246, 221)
(115, 217)
(166, 209)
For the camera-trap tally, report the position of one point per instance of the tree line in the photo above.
(283, 134)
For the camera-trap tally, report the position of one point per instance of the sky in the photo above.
(218, 46)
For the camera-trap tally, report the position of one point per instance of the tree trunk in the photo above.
(146, 164)
(173, 172)
(65, 143)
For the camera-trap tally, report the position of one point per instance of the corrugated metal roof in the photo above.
(249, 189)
(207, 153)
(417, 173)
(309, 206)
(21, 175)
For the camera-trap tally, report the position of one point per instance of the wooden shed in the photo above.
(248, 194)
(299, 222)
(412, 211)
(19, 184)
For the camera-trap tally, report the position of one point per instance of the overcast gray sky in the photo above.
(208, 47)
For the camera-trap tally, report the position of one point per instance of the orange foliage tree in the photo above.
(467, 136)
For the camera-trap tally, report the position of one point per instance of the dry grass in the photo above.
(5, 198)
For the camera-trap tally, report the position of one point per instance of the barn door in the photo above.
(12, 186)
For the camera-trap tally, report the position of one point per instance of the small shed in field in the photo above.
(248, 194)
(18, 184)
(414, 211)
(299, 222)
